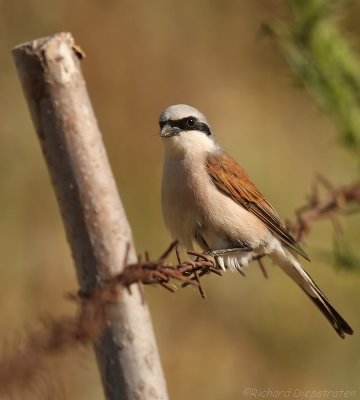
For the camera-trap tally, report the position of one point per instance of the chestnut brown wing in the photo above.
(233, 181)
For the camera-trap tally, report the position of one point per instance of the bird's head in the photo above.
(185, 130)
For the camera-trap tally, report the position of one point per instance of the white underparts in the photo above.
(235, 261)
(240, 260)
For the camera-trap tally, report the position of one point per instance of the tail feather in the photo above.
(294, 270)
(335, 319)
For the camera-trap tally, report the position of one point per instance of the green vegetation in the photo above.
(320, 56)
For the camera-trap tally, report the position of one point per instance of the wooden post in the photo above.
(95, 222)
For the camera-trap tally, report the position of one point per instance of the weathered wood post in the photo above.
(96, 226)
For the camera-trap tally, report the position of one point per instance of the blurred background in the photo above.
(141, 57)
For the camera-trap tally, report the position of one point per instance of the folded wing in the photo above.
(233, 181)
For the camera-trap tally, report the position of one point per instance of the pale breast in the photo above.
(190, 200)
(179, 204)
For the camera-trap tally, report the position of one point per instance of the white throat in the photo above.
(189, 144)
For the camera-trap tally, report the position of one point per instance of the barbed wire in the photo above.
(58, 335)
(343, 200)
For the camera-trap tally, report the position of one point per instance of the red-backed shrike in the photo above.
(208, 199)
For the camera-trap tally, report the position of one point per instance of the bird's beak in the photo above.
(168, 131)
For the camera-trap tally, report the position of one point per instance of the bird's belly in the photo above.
(228, 224)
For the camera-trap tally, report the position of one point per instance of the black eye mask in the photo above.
(188, 124)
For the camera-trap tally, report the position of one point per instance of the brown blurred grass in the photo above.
(143, 56)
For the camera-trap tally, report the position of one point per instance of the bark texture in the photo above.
(95, 222)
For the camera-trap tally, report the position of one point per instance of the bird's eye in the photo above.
(190, 122)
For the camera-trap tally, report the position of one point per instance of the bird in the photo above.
(209, 201)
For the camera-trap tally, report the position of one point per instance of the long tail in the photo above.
(295, 271)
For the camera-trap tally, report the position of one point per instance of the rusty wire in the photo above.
(337, 201)
(19, 370)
